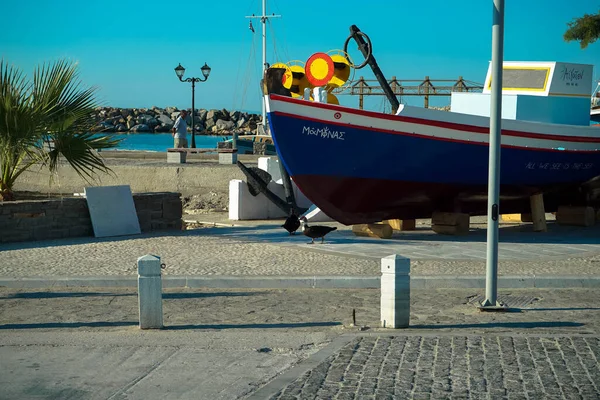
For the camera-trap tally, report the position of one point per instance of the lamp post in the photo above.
(179, 70)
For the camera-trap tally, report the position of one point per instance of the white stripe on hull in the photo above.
(371, 122)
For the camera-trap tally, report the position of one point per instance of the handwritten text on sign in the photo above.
(324, 133)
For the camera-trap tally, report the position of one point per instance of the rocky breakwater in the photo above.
(157, 120)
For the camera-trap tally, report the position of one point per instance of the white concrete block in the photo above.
(244, 206)
(112, 210)
(395, 291)
(150, 292)
(228, 158)
(271, 165)
(178, 157)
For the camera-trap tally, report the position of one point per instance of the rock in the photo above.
(141, 128)
(209, 124)
(214, 115)
(163, 119)
(152, 122)
(222, 125)
(126, 112)
(235, 116)
(156, 119)
(130, 122)
(106, 126)
(163, 128)
(143, 118)
(199, 126)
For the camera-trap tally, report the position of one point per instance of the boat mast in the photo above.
(263, 19)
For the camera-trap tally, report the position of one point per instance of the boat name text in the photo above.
(324, 133)
(559, 166)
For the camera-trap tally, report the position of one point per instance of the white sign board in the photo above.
(536, 78)
(112, 211)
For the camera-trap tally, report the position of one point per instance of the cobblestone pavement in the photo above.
(456, 367)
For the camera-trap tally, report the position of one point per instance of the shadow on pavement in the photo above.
(49, 325)
(103, 324)
(255, 326)
(56, 295)
(562, 309)
(204, 295)
(175, 296)
(521, 325)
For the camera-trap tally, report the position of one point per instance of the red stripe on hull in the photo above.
(356, 200)
(439, 124)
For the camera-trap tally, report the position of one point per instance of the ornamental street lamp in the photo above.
(179, 70)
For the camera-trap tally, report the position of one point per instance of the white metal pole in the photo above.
(263, 19)
(264, 58)
(491, 279)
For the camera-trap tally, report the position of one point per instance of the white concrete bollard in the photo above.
(150, 292)
(395, 291)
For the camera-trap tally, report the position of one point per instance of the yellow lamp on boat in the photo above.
(299, 80)
(332, 99)
(286, 79)
(341, 71)
(319, 69)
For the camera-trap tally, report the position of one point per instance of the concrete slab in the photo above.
(140, 368)
(112, 211)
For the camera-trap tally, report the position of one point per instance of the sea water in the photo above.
(161, 141)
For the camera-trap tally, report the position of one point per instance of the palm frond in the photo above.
(51, 108)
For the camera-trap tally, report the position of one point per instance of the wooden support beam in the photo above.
(579, 216)
(538, 213)
(526, 218)
(450, 223)
(401, 224)
(381, 231)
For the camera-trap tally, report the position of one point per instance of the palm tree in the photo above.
(45, 119)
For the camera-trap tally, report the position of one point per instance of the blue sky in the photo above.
(129, 49)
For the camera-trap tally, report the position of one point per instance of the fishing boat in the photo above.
(246, 144)
(361, 166)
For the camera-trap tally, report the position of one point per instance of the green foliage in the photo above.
(51, 109)
(585, 30)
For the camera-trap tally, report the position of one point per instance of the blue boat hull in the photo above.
(360, 174)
